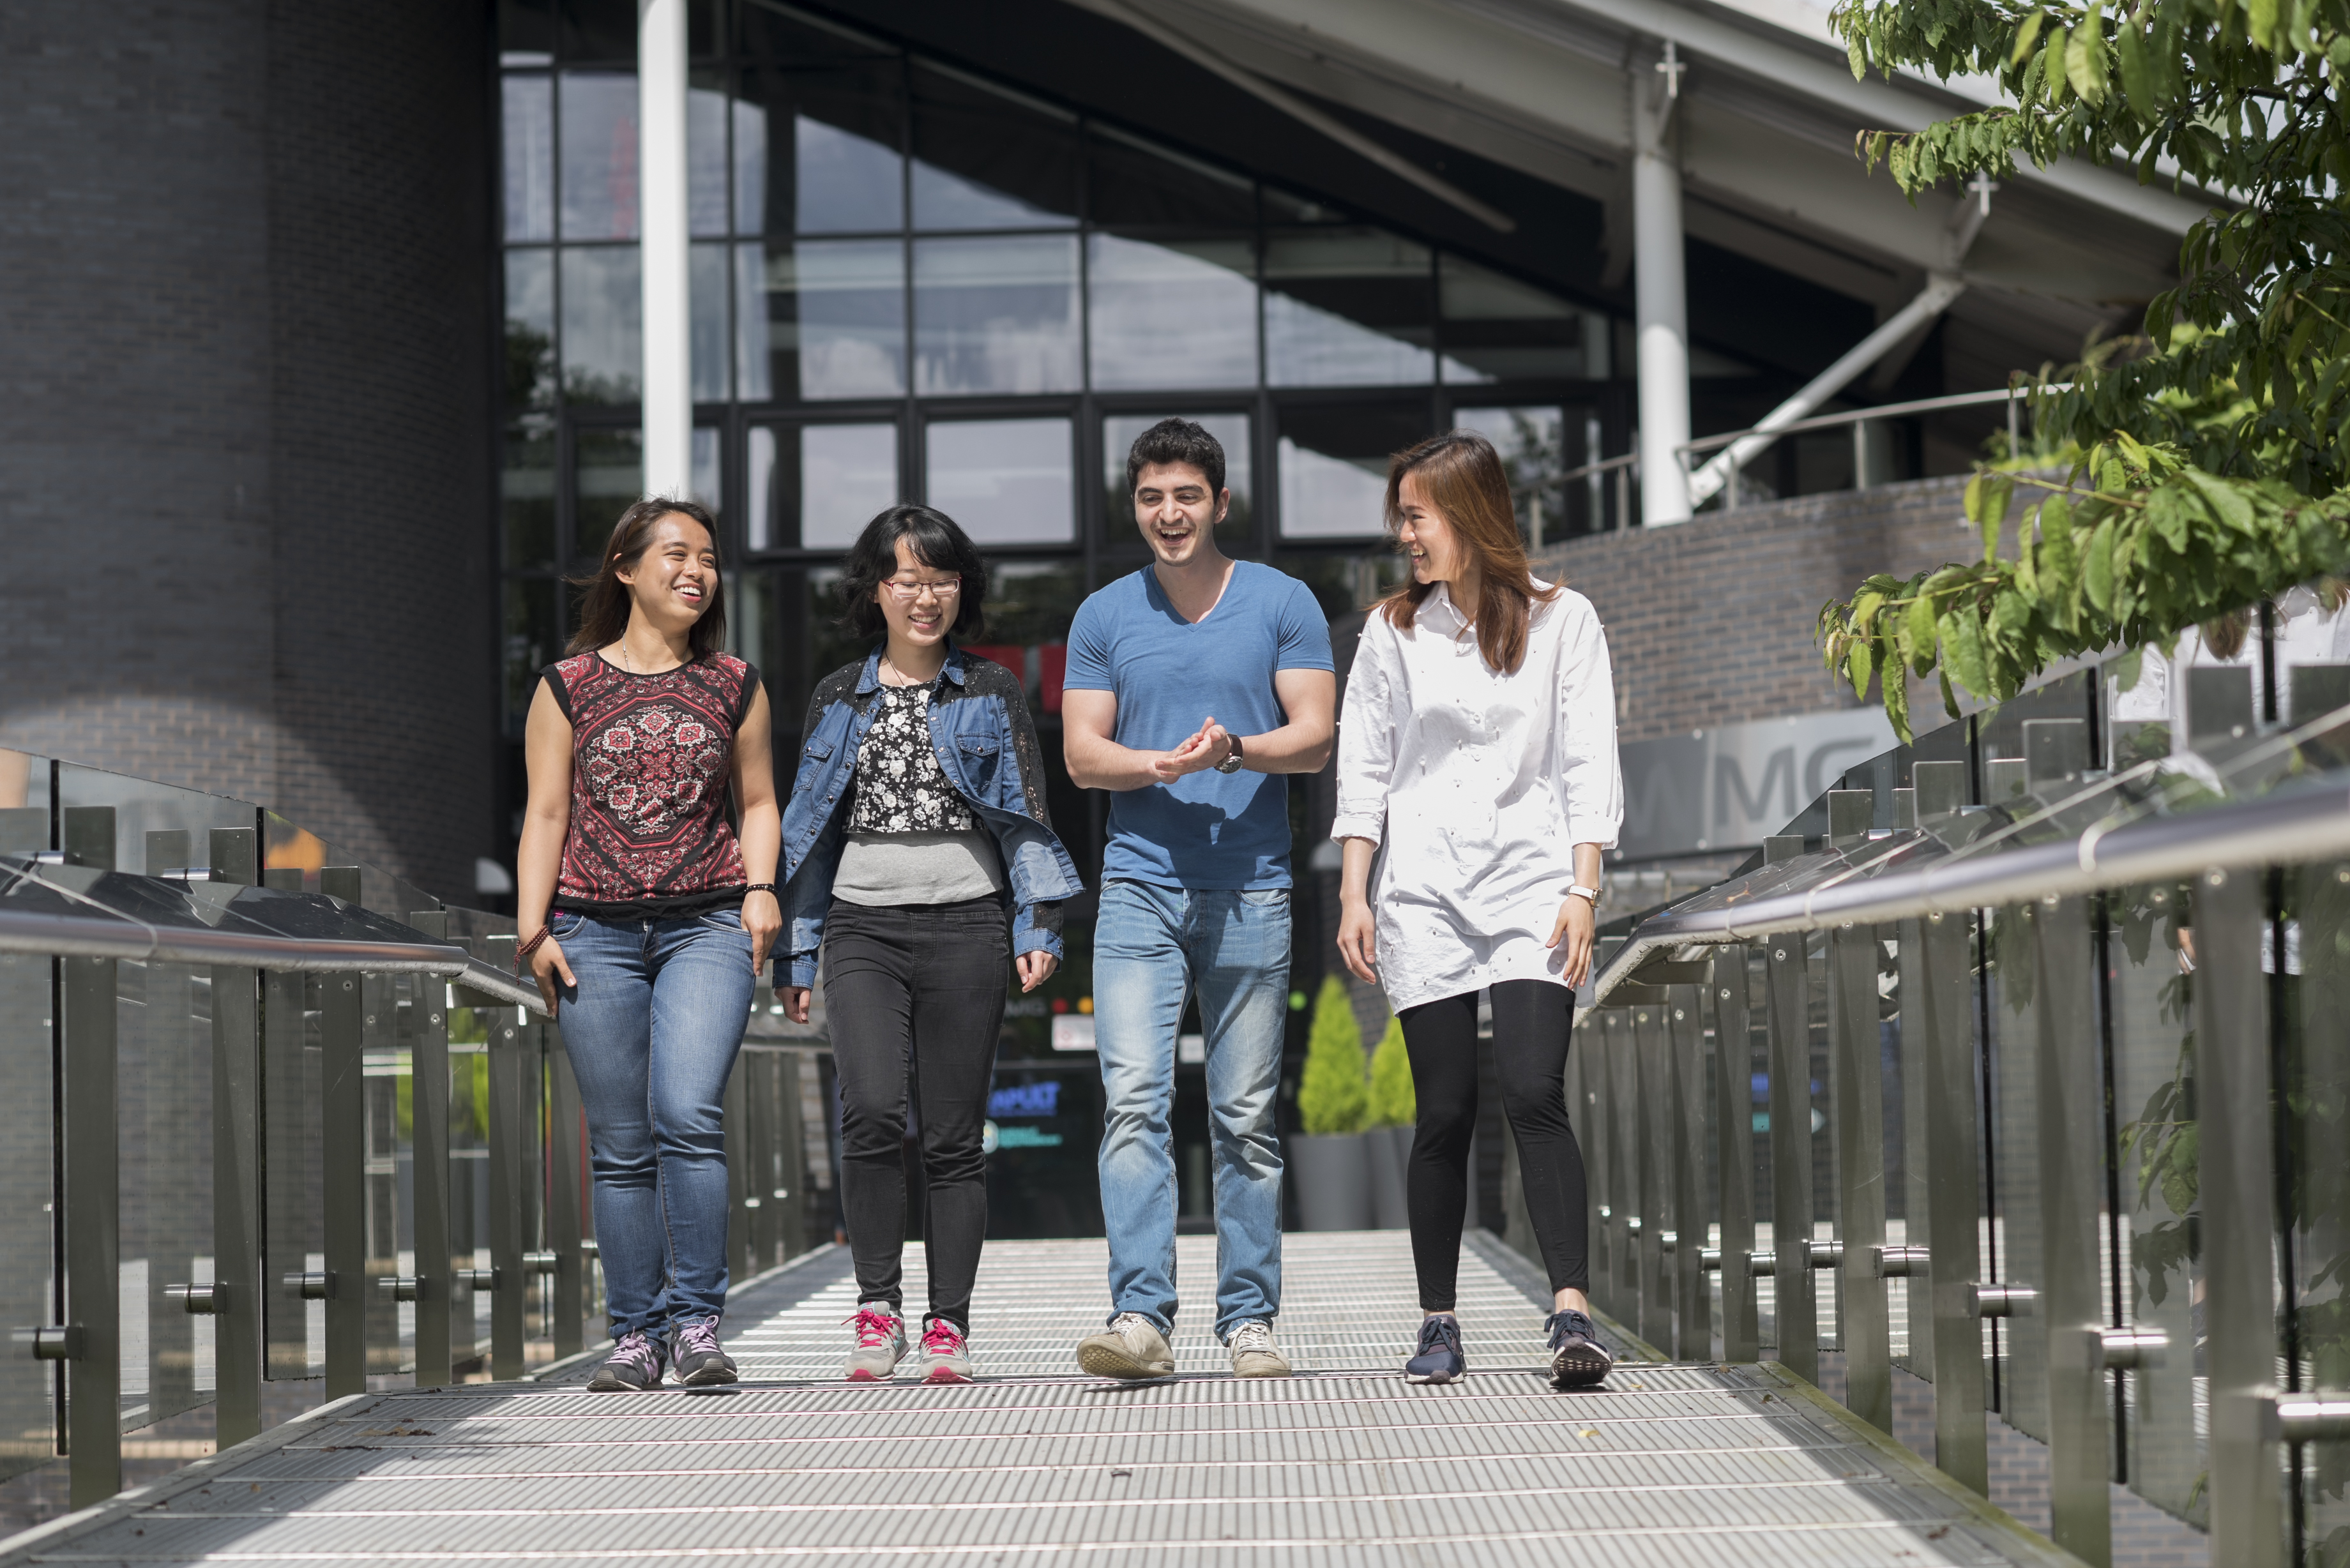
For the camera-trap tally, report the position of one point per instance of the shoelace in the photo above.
(1125, 1326)
(1562, 1323)
(1252, 1335)
(873, 1328)
(701, 1336)
(1438, 1331)
(941, 1339)
(636, 1348)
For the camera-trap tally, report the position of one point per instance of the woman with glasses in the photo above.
(918, 860)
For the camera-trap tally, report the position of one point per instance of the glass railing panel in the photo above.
(286, 847)
(163, 1127)
(469, 1167)
(1827, 1193)
(2151, 1021)
(2315, 1093)
(391, 1004)
(1758, 1069)
(28, 1410)
(2011, 1006)
(1898, 1087)
(174, 824)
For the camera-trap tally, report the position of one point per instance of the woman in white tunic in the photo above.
(1478, 749)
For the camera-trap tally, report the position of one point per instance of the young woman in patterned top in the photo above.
(917, 825)
(646, 915)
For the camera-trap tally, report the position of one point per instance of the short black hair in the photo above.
(938, 543)
(1177, 440)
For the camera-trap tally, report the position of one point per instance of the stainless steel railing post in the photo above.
(1653, 1103)
(565, 1202)
(92, 1196)
(509, 1187)
(429, 1122)
(1734, 1133)
(1693, 1294)
(1853, 1042)
(1794, 1311)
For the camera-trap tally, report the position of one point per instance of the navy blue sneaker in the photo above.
(1439, 1359)
(1577, 1359)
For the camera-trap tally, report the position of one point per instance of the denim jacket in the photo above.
(986, 745)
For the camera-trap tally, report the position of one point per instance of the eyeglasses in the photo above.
(907, 592)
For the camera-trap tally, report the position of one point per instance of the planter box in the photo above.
(1333, 1172)
(1390, 1162)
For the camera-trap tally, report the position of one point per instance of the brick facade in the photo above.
(1711, 622)
(245, 352)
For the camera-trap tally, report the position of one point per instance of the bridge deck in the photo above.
(1343, 1464)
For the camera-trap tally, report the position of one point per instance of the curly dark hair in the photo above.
(939, 542)
(1177, 440)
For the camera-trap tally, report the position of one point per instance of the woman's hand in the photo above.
(796, 1003)
(1357, 940)
(546, 961)
(1036, 968)
(1576, 922)
(764, 918)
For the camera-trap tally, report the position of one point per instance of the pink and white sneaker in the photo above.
(880, 1344)
(946, 1356)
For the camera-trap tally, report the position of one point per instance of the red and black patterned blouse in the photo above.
(651, 757)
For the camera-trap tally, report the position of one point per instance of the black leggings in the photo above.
(1530, 1032)
(916, 991)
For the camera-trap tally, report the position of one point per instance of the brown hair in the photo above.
(1460, 474)
(604, 606)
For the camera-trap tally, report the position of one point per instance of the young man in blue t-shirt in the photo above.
(1189, 683)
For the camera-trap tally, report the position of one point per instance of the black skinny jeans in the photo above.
(1530, 1032)
(915, 992)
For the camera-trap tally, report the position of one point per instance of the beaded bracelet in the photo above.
(522, 953)
(758, 888)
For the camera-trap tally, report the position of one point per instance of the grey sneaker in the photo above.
(880, 1344)
(946, 1355)
(1131, 1347)
(694, 1351)
(1254, 1352)
(634, 1365)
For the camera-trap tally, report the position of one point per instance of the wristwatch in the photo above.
(1590, 893)
(1232, 764)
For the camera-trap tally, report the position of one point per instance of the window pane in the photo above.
(599, 155)
(529, 157)
(706, 290)
(1334, 466)
(1499, 329)
(996, 315)
(826, 318)
(1007, 482)
(599, 30)
(708, 486)
(1177, 313)
(530, 646)
(985, 160)
(1345, 307)
(525, 32)
(603, 324)
(817, 149)
(1533, 444)
(1232, 433)
(608, 475)
(818, 486)
(526, 493)
(705, 155)
(530, 330)
(1136, 183)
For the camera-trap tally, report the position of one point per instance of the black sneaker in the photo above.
(694, 1349)
(1577, 1359)
(634, 1365)
(1439, 1359)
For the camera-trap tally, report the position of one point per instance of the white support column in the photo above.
(662, 239)
(1660, 303)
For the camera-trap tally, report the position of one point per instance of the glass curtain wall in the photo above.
(913, 283)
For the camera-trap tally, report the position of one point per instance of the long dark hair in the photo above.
(603, 603)
(938, 543)
(1461, 476)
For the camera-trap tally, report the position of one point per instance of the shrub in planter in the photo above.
(1330, 1158)
(1394, 1110)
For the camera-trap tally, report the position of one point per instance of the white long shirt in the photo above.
(1477, 785)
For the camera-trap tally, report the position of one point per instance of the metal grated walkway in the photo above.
(1344, 1464)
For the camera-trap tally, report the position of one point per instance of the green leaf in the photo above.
(1950, 698)
(2085, 61)
(2227, 500)
(2060, 564)
(1895, 694)
(1963, 648)
(2260, 22)
(2026, 36)
(1923, 637)
(1859, 667)
(2138, 76)
(2097, 571)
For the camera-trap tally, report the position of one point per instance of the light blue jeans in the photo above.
(652, 1033)
(1152, 947)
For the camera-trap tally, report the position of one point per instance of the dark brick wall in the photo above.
(1711, 622)
(244, 340)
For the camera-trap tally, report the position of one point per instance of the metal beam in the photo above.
(1661, 307)
(665, 251)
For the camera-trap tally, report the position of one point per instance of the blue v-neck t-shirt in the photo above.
(1206, 830)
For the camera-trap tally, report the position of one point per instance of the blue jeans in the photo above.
(653, 1030)
(1153, 947)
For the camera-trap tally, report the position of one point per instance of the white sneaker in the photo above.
(1254, 1352)
(1131, 1347)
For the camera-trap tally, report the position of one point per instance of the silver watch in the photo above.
(1231, 763)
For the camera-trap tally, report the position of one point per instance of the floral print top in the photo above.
(900, 788)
